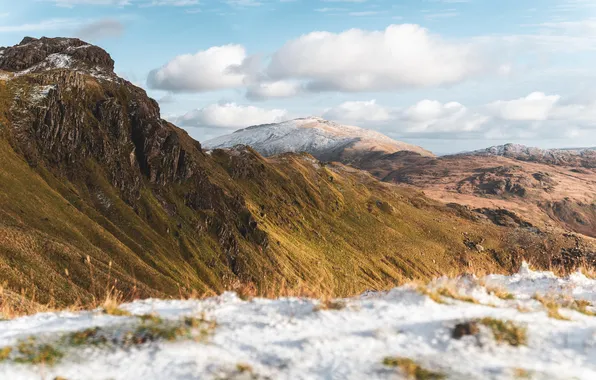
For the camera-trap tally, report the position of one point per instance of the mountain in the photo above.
(550, 189)
(98, 191)
(325, 140)
(545, 188)
(564, 157)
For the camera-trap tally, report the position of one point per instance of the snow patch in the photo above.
(294, 338)
(40, 93)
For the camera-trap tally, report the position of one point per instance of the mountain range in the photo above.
(551, 188)
(97, 190)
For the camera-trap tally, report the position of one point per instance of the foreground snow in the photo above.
(292, 339)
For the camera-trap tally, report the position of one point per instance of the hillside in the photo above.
(96, 190)
(547, 195)
(325, 140)
(552, 190)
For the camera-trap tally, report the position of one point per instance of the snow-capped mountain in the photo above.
(574, 157)
(323, 139)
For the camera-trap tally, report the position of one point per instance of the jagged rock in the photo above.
(41, 54)
(465, 329)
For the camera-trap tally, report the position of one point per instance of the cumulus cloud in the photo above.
(207, 70)
(536, 116)
(534, 107)
(359, 111)
(432, 116)
(100, 29)
(358, 60)
(277, 89)
(354, 61)
(231, 115)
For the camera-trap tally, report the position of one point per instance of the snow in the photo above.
(312, 135)
(41, 92)
(288, 338)
(518, 150)
(59, 61)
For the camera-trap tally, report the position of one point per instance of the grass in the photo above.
(431, 293)
(438, 294)
(111, 303)
(501, 293)
(5, 353)
(454, 294)
(411, 369)
(582, 307)
(506, 331)
(553, 303)
(330, 304)
(30, 352)
(244, 368)
(521, 373)
(148, 329)
(92, 336)
(552, 307)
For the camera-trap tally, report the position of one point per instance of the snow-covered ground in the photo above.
(292, 338)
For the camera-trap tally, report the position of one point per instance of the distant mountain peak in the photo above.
(324, 139)
(571, 156)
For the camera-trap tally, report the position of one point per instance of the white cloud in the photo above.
(206, 70)
(277, 89)
(536, 116)
(357, 60)
(231, 115)
(534, 107)
(428, 116)
(359, 111)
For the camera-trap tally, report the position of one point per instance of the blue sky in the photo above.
(449, 75)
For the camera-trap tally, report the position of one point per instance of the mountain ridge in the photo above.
(585, 157)
(323, 139)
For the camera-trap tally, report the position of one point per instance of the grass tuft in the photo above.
(506, 331)
(454, 294)
(91, 336)
(329, 304)
(29, 352)
(500, 293)
(551, 305)
(5, 353)
(411, 369)
(111, 304)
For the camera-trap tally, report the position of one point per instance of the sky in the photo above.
(448, 75)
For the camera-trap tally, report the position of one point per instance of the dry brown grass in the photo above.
(500, 292)
(551, 305)
(506, 331)
(412, 370)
